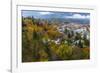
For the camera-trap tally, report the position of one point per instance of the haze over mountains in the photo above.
(61, 17)
(69, 20)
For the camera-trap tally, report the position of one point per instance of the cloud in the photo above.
(45, 13)
(78, 16)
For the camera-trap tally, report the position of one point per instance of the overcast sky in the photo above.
(48, 14)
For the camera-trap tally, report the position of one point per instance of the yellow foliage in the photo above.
(43, 55)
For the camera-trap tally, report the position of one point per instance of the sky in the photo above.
(49, 14)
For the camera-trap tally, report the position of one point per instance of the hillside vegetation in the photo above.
(43, 40)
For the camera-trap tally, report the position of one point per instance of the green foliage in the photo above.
(65, 52)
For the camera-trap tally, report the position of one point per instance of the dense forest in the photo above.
(44, 40)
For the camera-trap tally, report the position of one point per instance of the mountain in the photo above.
(68, 20)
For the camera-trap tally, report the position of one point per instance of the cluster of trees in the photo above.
(39, 42)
